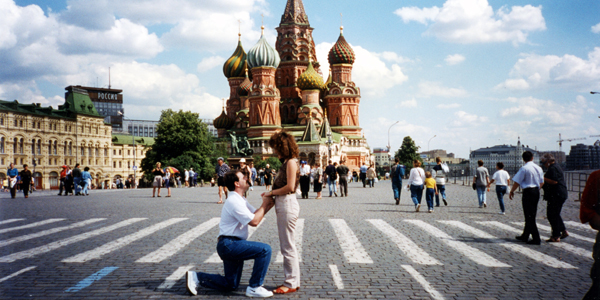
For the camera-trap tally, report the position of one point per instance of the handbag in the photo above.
(474, 186)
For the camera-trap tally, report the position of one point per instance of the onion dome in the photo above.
(263, 54)
(236, 64)
(223, 121)
(310, 79)
(246, 86)
(341, 52)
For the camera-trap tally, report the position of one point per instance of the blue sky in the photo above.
(471, 72)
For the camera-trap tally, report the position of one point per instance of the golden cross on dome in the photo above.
(223, 103)
(341, 23)
(239, 29)
(262, 24)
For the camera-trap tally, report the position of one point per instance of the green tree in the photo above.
(272, 161)
(408, 152)
(182, 141)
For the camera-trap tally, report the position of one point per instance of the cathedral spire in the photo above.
(294, 13)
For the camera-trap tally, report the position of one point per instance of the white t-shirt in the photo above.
(235, 216)
(501, 177)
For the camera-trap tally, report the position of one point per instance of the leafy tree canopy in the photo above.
(272, 161)
(182, 141)
(408, 152)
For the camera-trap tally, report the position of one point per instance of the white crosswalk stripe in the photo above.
(173, 278)
(121, 242)
(351, 246)
(178, 243)
(549, 229)
(337, 277)
(532, 254)
(10, 221)
(414, 252)
(17, 273)
(48, 232)
(423, 282)
(214, 258)
(65, 242)
(563, 245)
(474, 254)
(298, 239)
(36, 224)
(578, 225)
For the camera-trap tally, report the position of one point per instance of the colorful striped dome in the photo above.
(263, 54)
(236, 64)
(245, 87)
(341, 52)
(223, 121)
(310, 79)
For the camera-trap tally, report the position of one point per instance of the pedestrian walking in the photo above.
(318, 181)
(397, 173)
(248, 173)
(268, 177)
(158, 179)
(12, 174)
(69, 182)
(481, 180)
(220, 170)
(416, 180)
(342, 172)
(502, 180)
(86, 181)
(26, 180)
(304, 179)
(286, 207)
(63, 178)
(530, 178)
(440, 172)
(167, 181)
(254, 174)
(233, 246)
(555, 193)
(77, 179)
(331, 174)
(589, 211)
(371, 175)
(431, 190)
(186, 178)
(363, 174)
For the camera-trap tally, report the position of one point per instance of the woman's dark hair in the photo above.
(230, 179)
(284, 144)
(397, 160)
(86, 169)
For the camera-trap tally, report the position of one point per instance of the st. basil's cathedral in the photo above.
(273, 89)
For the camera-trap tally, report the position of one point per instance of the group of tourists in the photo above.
(75, 181)
(433, 183)
(19, 180)
(237, 214)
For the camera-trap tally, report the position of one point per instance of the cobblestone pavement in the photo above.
(124, 244)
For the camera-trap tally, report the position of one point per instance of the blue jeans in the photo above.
(76, 181)
(234, 252)
(416, 193)
(397, 188)
(332, 187)
(481, 195)
(441, 191)
(86, 186)
(500, 191)
(429, 193)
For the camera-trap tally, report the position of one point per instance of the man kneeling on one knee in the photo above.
(232, 246)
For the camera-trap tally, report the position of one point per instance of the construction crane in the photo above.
(560, 140)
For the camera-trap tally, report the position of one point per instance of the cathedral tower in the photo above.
(295, 45)
(264, 98)
(234, 69)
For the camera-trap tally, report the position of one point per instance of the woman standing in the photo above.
(318, 180)
(371, 175)
(158, 179)
(286, 207)
(415, 183)
(555, 192)
(86, 180)
(167, 180)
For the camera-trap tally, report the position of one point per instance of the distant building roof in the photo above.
(122, 139)
(498, 149)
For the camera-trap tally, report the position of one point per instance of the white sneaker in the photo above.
(417, 208)
(484, 204)
(502, 213)
(431, 210)
(192, 282)
(258, 292)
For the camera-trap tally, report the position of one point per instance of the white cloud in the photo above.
(208, 63)
(28, 93)
(463, 118)
(393, 57)
(435, 89)
(596, 28)
(474, 21)
(537, 71)
(408, 103)
(370, 73)
(547, 112)
(448, 106)
(454, 59)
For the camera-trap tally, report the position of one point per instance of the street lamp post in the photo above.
(388, 145)
(134, 154)
(428, 144)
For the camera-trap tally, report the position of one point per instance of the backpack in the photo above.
(398, 172)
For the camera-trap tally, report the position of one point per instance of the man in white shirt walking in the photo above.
(232, 245)
(502, 180)
(304, 179)
(530, 178)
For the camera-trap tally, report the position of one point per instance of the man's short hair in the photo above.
(527, 156)
(76, 165)
(230, 179)
(480, 163)
(397, 160)
(25, 166)
(500, 165)
(438, 159)
(86, 169)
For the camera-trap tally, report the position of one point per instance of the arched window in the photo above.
(1, 144)
(21, 146)
(66, 144)
(70, 148)
(16, 140)
(39, 146)
(33, 146)
(284, 113)
(49, 147)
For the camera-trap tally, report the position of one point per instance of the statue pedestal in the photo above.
(234, 162)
